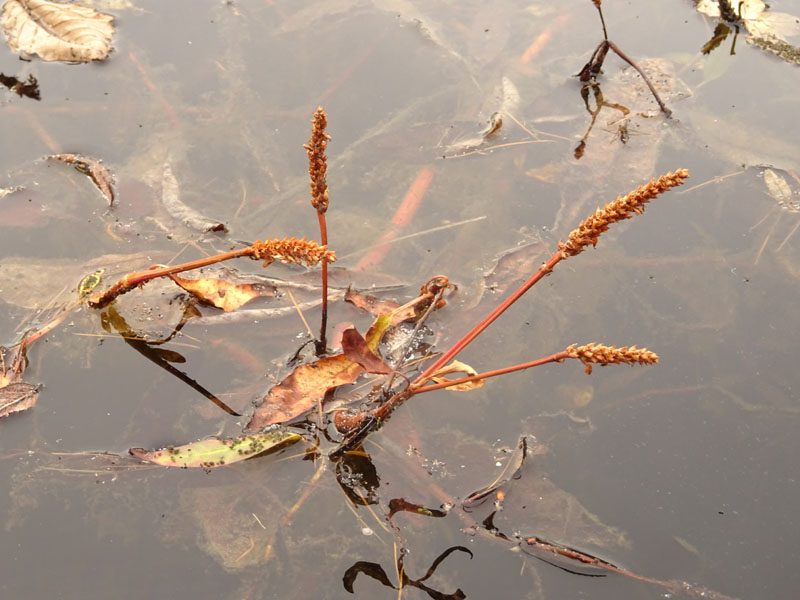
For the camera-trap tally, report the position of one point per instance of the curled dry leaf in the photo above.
(511, 471)
(224, 294)
(216, 452)
(302, 389)
(56, 30)
(458, 367)
(28, 88)
(99, 175)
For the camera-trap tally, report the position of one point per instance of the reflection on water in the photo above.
(678, 472)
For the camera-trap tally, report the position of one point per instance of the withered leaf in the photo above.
(458, 367)
(28, 88)
(99, 174)
(780, 190)
(371, 304)
(379, 307)
(16, 397)
(356, 349)
(57, 30)
(224, 294)
(302, 389)
(217, 452)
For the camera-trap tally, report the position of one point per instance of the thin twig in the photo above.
(667, 112)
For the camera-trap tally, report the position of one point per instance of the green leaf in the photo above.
(216, 452)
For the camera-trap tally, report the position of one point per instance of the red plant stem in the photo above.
(545, 269)
(131, 280)
(386, 409)
(557, 357)
(323, 234)
(667, 112)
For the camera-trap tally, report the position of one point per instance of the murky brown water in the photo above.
(682, 471)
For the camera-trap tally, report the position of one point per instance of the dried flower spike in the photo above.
(292, 250)
(317, 161)
(606, 355)
(624, 207)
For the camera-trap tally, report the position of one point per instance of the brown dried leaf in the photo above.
(302, 389)
(16, 397)
(56, 30)
(224, 294)
(28, 88)
(355, 348)
(179, 210)
(371, 304)
(379, 307)
(101, 176)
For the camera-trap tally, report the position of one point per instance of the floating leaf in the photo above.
(216, 452)
(357, 350)
(101, 176)
(302, 389)
(16, 397)
(458, 367)
(747, 9)
(783, 49)
(773, 24)
(89, 282)
(224, 294)
(56, 30)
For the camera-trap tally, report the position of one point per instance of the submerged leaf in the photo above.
(101, 176)
(56, 30)
(216, 452)
(302, 389)
(170, 198)
(511, 471)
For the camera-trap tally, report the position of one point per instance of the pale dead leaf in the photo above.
(458, 367)
(16, 397)
(776, 24)
(750, 9)
(779, 189)
(56, 30)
